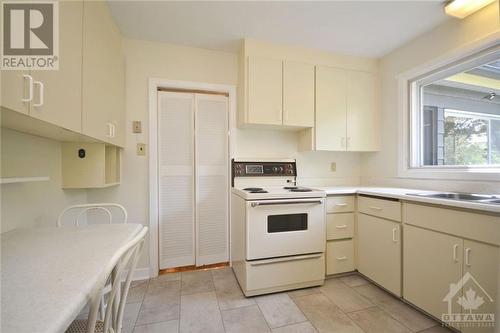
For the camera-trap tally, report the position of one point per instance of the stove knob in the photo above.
(281, 169)
(275, 169)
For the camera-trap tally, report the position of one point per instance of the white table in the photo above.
(48, 274)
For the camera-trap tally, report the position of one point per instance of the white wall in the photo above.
(381, 168)
(32, 204)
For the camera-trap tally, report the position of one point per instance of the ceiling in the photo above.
(363, 28)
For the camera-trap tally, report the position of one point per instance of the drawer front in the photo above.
(340, 204)
(339, 256)
(339, 226)
(481, 227)
(386, 209)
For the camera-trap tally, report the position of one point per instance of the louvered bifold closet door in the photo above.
(211, 123)
(176, 179)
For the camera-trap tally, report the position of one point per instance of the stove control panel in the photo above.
(263, 169)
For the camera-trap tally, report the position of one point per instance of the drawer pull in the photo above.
(341, 258)
(467, 256)
(343, 226)
(455, 248)
(394, 231)
(341, 204)
(375, 208)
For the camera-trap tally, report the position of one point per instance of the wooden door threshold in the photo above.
(193, 268)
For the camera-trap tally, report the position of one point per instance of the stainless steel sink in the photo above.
(483, 198)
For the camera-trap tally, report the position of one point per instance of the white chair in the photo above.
(84, 208)
(125, 260)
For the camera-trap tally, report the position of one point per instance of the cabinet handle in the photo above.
(113, 130)
(375, 208)
(41, 93)
(455, 256)
(109, 127)
(30, 88)
(394, 231)
(467, 256)
(341, 204)
(341, 258)
(343, 226)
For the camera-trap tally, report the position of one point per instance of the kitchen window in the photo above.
(453, 120)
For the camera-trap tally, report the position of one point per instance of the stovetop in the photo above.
(277, 192)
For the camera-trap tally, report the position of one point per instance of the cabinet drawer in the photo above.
(339, 226)
(339, 256)
(387, 209)
(340, 204)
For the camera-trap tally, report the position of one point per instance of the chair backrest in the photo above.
(83, 208)
(124, 261)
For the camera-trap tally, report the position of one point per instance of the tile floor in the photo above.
(211, 301)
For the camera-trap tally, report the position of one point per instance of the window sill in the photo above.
(444, 173)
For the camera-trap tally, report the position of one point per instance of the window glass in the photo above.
(460, 119)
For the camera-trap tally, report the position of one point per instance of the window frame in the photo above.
(411, 103)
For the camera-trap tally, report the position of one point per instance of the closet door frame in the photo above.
(154, 85)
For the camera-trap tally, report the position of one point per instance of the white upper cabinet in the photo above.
(58, 94)
(103, 82)
(362, 112)
(265, 91)
(298, 94)
(17, 90)
(331, 108)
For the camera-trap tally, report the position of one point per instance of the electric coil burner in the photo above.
(278, 229)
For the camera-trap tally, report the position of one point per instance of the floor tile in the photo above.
(304, 327)
(130, 315)
(137, 291)
(437, 329)
(163, 327)
(324, 315)
(245, 320)
(200, 313)
(196, 282)
(279, 310)
(375, 320)
(231, 298)
(161, 303)
(166, 278)
(402, 312)
(354, 280)
(158, 313)
(344, 297)
(303, 292)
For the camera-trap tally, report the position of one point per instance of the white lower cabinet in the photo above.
(379, 251)
(432, 261)
(340, 256)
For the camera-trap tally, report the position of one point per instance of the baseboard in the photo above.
(140, 274)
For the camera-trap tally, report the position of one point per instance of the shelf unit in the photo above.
(14, 180)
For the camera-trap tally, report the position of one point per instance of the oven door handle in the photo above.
(264, 203)
(284, 259)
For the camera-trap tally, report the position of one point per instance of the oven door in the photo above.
(277, 228)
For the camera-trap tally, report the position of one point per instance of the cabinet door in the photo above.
(362, 112)
(298, 94)
(432, 261)
(379, 251)
(102, 75)
(481, 261)
(265, 91)
(339, 256)
(15, 88)
(58, 94)
(331, 89)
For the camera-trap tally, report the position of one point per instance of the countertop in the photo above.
(405, 194)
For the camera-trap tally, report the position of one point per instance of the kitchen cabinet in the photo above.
(298, 94)
(17, 90)
(432, 261)
(58, 94)
(331, 108)
(103, 76)
(265, 91)
(379, 251)
(340, 255)
(347, 114)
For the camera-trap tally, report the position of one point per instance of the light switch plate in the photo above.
(137, 126)
(141, 149)
(333, 166)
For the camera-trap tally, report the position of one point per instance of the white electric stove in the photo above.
(278, 231)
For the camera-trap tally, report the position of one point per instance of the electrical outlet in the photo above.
(137, 126)
(141, 149)
(333, 166)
